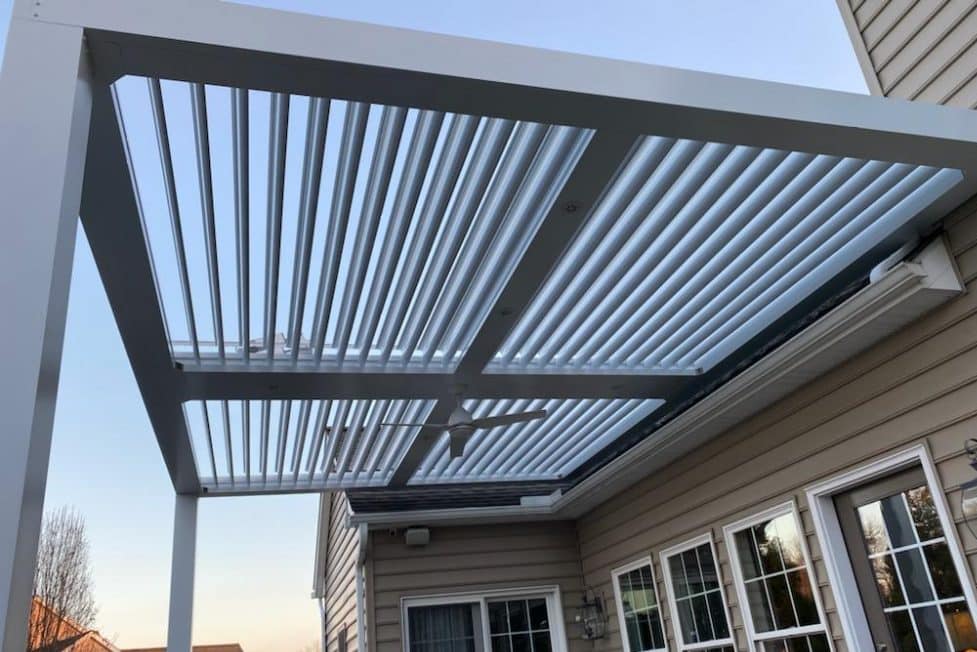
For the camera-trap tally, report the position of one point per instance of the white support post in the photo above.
(180, 632)
(45, 107)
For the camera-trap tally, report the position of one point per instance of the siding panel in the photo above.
(924, 51)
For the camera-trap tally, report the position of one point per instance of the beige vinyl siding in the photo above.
(920, 385)
(473, 558)
(920, 50)
(342, 553)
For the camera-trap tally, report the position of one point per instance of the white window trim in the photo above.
(820, 500)
(670, 590)
(729, 532)
(619, 602)
(551, 593)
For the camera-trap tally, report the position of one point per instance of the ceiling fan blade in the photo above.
(508, 419)
(439, 426)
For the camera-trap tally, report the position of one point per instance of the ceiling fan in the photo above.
(461, 425)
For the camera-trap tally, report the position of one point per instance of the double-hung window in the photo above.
(502, 621)
(772, 572)
(638, 607)
(696, 597)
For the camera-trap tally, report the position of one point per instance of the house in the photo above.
(821, 516)
(51, 632)
(583, 354)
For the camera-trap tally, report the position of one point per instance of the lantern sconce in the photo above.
(591, 615)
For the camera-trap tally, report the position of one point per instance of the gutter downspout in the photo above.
(321, 556)
(361, 642)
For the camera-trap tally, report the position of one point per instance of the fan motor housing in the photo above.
(458, 437)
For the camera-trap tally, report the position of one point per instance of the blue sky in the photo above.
(255, 554)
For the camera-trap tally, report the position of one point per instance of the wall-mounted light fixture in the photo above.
(591, 615)
(969, 489)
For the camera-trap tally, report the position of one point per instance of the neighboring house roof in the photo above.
(223, 647)
(71, 636)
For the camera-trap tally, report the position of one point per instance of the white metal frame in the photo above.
(729, 532)
(840, 574)
(551, 593)
(664, 555)
(45, 107)
(619, 602)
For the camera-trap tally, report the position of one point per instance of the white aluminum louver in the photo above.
(696, 247)
(298, 445)
(289, 229)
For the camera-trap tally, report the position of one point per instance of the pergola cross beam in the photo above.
(596, 168)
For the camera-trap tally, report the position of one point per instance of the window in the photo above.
(443, 627)
(851, 558)
(519, 625)
(695, 594)
(527, 620)
(772, 571)
(910, 587)
(638, 608)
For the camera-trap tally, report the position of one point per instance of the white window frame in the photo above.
(739, 582)
(551, 593)
(670, 590)
(820, 500)
(619, 602)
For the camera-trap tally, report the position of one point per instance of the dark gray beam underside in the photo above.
(229, 385)
(111, 218)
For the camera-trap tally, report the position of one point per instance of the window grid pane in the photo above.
(779, 593)
(642, 614)
(914, 573)
(520, 625)
(698, 596)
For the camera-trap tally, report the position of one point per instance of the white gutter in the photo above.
(892, 300)
(361, 642)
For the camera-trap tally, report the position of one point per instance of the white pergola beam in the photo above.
(44, 116)
(179, 633)
(289, 52)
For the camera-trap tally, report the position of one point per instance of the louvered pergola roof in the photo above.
(307, 227)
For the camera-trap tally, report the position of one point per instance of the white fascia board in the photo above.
(904, 293)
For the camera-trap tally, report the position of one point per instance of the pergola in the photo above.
(308, 228)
